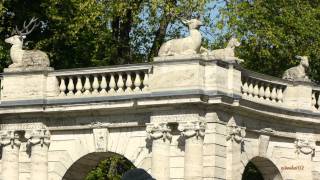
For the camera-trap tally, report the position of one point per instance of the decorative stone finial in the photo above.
(184, 46)
(159, 131)
(190, 129)
(26, 59)
(298, 73)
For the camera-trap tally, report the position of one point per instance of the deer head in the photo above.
(18, 35)
(193, 23)
(304, 61)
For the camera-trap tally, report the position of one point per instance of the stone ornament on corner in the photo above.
(298, 73)
(189, 45)
(192, 129)
(159, 131)
(26, 60)
(226, 54)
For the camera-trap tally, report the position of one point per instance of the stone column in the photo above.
(10, 141)
(38, 145)
(235, 137)
(193, 134)
(160, 135)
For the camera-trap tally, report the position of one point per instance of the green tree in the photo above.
(274, 32)
(77, 33)
(112, 168)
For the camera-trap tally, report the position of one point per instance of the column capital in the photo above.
(38, 137)
(9, 137)
(235, 133)
(158, 131)
(192, 129)
(305, 146)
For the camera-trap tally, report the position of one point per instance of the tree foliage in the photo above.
(78, 33)
(112, 168)
(274, 32)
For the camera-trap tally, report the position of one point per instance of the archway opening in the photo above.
(260, 168)
(102, 165)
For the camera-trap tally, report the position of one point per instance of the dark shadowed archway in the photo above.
(83, 166)
(260, 168)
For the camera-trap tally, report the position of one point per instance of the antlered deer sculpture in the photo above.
(25, 58)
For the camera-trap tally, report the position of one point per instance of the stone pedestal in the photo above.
(10, 155)
(161, 138)
(193, 134)
(39, 144)
(298, 96)
(27, 84)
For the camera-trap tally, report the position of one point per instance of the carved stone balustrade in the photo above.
(103, 81)
(260, 88)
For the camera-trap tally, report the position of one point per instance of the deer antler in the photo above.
(25, 31)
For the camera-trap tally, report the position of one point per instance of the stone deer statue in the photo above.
(226, 53)
(298, 73)
(25, 58)
(184, 46)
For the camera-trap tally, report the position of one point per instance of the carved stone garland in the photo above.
(159, 131)
(305, 146)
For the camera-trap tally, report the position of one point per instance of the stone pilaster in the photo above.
(235, 137)
(10, 141)
(193, 134)
(38, 143)
(160, 135)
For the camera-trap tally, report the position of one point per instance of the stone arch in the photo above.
(267, 168)
(79, 169)
(68, 148)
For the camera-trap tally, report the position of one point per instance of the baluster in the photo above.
(103, 84)
(279, 94)
(79, 86)
(267, 92)
(273, 94)
(137, 82)
(62, 87)
(87, 86)
(318, 101)
(261, 91)
(128, 83)
(95, 85)
(245, 88)
(70, 87)
(313, 100)
(256, 89)
(112, 84)
(120, 84)
(250, 90)
(146, 81)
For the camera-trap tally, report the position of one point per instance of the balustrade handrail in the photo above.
(102, 69)
(264, 77)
